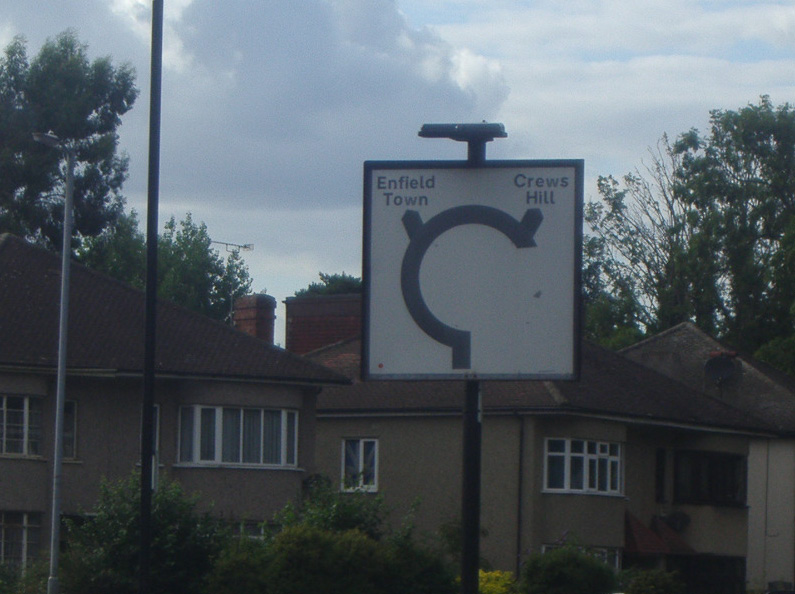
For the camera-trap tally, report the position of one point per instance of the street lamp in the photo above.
(52, 140)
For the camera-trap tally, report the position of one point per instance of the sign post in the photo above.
(472, 271)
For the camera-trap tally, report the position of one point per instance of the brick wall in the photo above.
(317, 321)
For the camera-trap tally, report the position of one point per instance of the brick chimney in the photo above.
(255, 315)
(320, 320)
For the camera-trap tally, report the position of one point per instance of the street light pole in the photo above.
(60, 390)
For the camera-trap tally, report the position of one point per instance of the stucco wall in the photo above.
(771, 530)
(108, 411)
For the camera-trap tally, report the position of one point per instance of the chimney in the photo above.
(320, 320)
(255, 315)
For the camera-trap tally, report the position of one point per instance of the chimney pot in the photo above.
(255, 315)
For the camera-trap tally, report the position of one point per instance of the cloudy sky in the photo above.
(270, 107)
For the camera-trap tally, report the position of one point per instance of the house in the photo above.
(235, 415)
(687, 354)
(626, 462)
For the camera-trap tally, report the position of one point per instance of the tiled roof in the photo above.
(681, 353)
(609, 385)
(106, 328)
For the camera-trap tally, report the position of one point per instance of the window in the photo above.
(20, 537)
(248, 529)
(226, 435)
(709, 478)
(360, 465)
(20, 425)
(581, 466)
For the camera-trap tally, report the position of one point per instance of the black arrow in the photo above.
(422, 236)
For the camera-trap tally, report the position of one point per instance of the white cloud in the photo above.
(270, 107)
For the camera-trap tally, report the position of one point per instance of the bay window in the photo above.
(583, 466)
(233, 435)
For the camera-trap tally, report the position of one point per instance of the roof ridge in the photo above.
(657, 335)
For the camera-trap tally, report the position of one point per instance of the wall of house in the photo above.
(420, 460)
(108, 446)
(240, 493)
(25, 484)
(587, 519)
(713, 529)
(771, 493)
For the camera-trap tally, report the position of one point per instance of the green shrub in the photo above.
(324, 507)
(497, 582)
(566, 570)
(9, 576)
(653, 581)
(103, 554)
(305, 559)
(34, 579)
(240, 568)
(418, 570)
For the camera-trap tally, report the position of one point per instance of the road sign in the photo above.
(472, 272)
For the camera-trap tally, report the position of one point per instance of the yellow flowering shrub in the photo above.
(496, 582)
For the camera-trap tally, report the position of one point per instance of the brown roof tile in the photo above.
(106, 327)
(609, 384)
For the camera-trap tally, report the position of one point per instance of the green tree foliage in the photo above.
(333, 543)
(566, 570)
(645, 257)
(741, 180)
(328, 509)
(102, 557)
(332, 284)
(191, 272)
(81, 102)
(705, 233)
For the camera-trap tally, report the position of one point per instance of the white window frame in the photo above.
(359, 485)
(29, 550)
(288, 446)
(601, 464)
(27, 439)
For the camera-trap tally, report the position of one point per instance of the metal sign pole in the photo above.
(476, 136)
(470, 492)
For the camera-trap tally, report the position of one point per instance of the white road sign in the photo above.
(472, 272)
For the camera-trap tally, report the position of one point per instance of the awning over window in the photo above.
(659, 539)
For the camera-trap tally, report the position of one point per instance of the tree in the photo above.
(103, 552)
(81, 102)
(332, 284)
(706, 233)
(190, 272)
(741, 180)
(644, 269)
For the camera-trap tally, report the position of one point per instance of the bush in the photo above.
(566, 570)
(103, 554)
(9, 576)
(497, 582)
(325, 508)
(240, 568)
(306, 559)
(653, 581)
